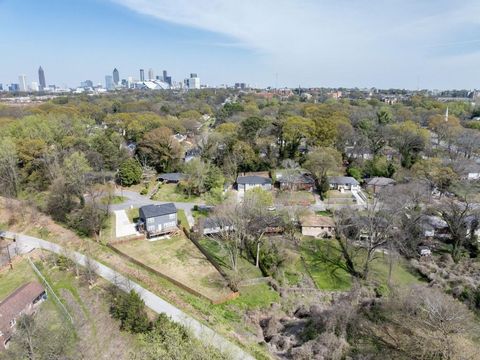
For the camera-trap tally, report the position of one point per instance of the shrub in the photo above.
(130, 172)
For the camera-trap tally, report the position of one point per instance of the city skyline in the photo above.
(404, 44)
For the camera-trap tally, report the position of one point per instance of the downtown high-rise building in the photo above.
(151, 75)
(41, 79)
(142, 75)
(193, 82)
(22, 82)
(116, 76)
(109, 82)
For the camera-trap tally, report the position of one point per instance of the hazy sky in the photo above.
(388, 43)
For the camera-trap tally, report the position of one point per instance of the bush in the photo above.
(130, 310)
(144, 191)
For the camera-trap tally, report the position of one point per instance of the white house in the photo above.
(317, 226)
(342, 183)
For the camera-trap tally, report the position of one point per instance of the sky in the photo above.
(353, 43)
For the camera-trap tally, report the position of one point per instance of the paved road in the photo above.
(25, 244)
(134, 199)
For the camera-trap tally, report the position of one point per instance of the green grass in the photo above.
(133, 214)
(246, 269)
(254, 297)
(113, 200)
(13, 279)
(168, 192)
(182, 218)
(324, 213)
(328, 278)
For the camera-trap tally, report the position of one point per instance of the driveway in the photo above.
(136, 200)
(123, 226)
(26, 244)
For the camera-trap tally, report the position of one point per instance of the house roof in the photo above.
(342, 180)
(296, 179)
(313, 220)
(380, 181)
(158, 210)
(16, 302)
(253, 180)
(171, 176)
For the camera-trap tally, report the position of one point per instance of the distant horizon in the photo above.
(364, 44)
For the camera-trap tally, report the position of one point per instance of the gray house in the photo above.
(158, 219)
(245, 183)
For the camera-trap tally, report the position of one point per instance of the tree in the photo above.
(130, 173)
(321, 162)
(250, 127)
(161, 149)
(456, 214)
(75, 169)
(410, 139)
(8, 168)
(129, 308)
(445, 129)
(435, 173)
(294, 130)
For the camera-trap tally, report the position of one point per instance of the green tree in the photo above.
(129, 308)
(130, 172)
(160, 149)
(410, 139)
(9, 180)
(294, 130)
(75, 169)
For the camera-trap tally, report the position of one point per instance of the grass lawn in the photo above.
(167, 192)
(113, 200)
(13, 279)
(179, 259)
(182, 218)
(295, 198)
(132, 214)
(246, 269)
(327, 279)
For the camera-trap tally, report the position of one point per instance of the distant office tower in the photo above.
(124, 83)
(41, 78)
(151, 75)
(193, 82)
(1, 87)
(22, 81)
(116, 76)
(168, 80)
(130, 81)
(142, 75)
(109, 82)
(14, 87)
(34, 86)
(165, 75)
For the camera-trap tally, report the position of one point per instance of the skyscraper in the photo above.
(41, 79)
(142, 75)
(22, 80)
(116, 76)
(109, 82)
(151, 74)
(193, 82)
(165, 75)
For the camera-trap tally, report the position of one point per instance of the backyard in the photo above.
(327, 277)
(178, 258)
(168, 192)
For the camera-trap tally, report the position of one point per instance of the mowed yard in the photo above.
(179, 259)
(328, 277)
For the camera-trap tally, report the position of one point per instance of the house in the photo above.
(171, 178)
(295, 181)
(378, 183)
(245, 183)
(24, 300)
(211, 226)
(342, 183)
(192, 154)
(317, 226)
(433, 226)
(157, 220)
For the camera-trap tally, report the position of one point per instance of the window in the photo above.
(151, 228)
(150, 220)
(172, 216)
(169, 224)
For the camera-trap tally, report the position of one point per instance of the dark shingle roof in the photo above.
(158, 210)
(380, 181)
(253, 180)
(342, 180)
(296, 179)
(171, 176)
